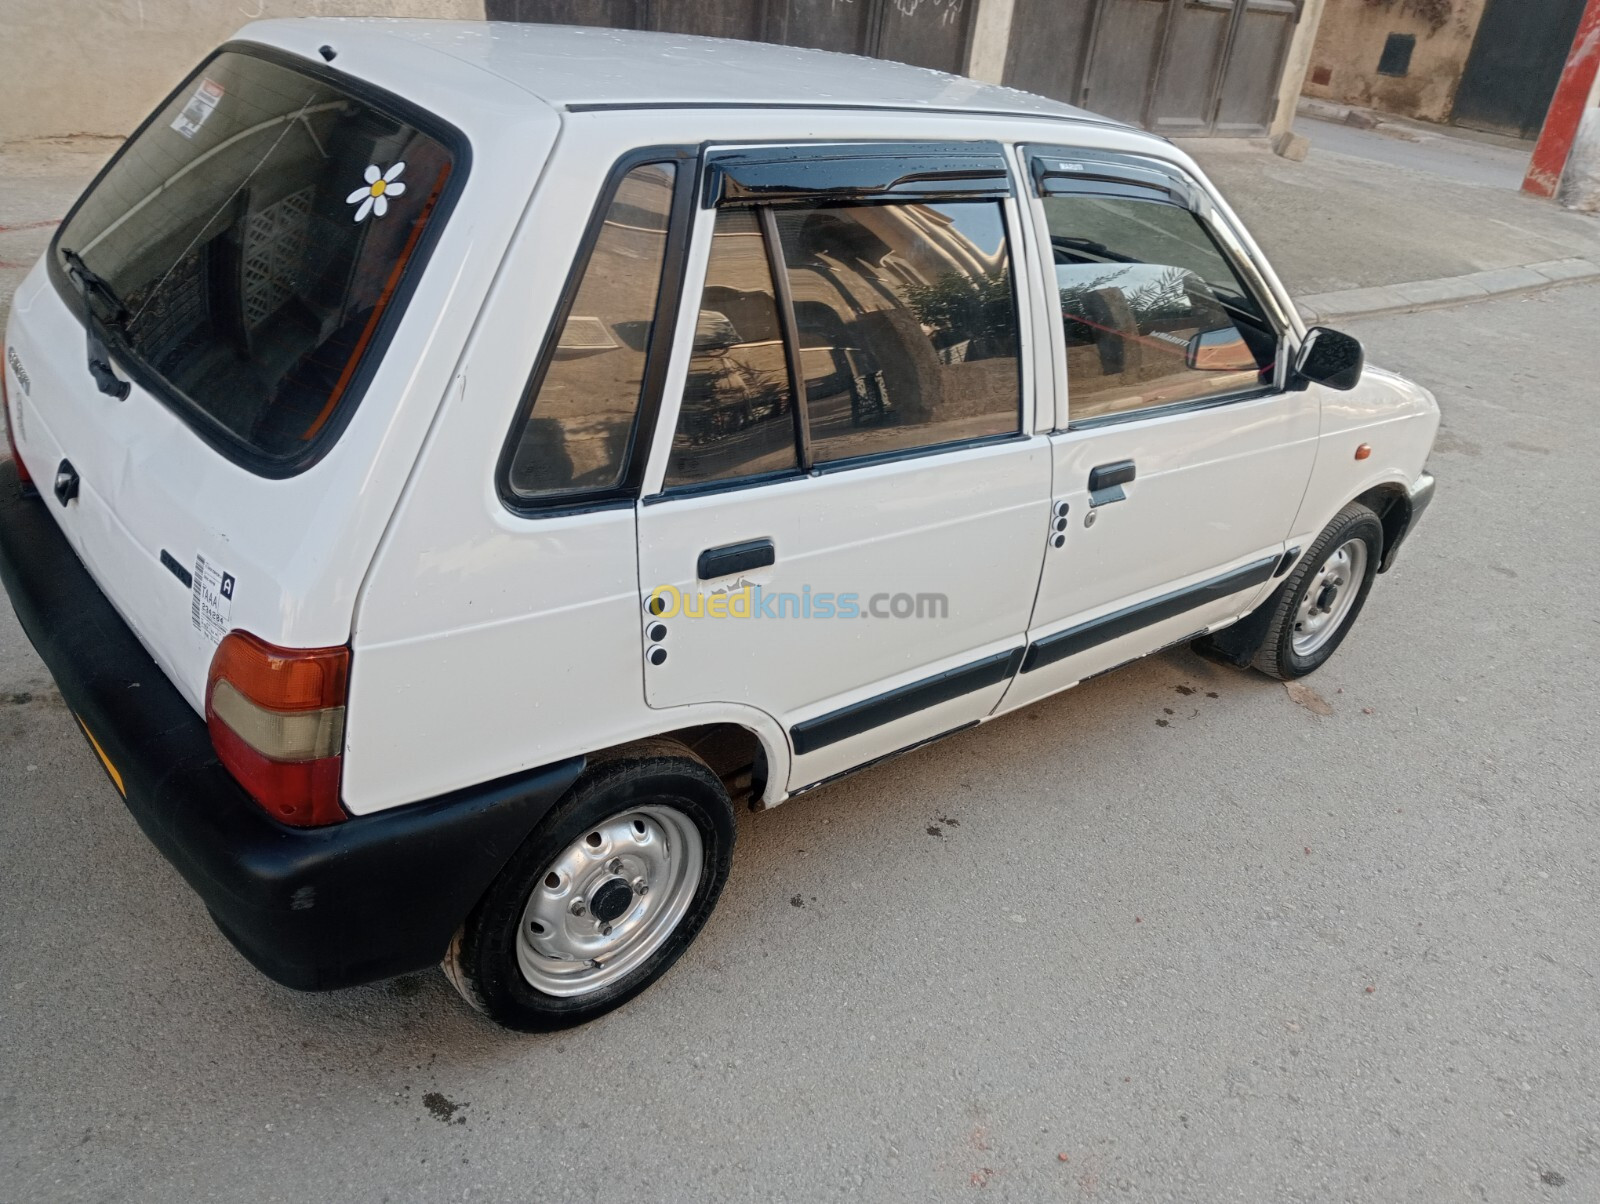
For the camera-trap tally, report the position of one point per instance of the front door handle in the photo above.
(736, 558)
(1106, 482)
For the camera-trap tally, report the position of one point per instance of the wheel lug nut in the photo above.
(616, 865)
(605, 930)
(640, 886)
(577, 907)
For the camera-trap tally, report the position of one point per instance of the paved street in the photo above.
(1170, 936)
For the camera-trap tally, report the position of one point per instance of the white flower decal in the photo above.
(374, 195)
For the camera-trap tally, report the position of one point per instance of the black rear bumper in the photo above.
(313, 908)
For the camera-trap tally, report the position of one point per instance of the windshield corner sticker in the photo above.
(211, 605)
(200, 106)
(373, 196)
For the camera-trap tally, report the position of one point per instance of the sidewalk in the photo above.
(1353, 235)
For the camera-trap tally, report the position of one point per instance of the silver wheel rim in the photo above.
(1331, 597)
(609, 901)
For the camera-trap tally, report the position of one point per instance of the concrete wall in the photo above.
(1350, 40)
(1296, 65)
(99, 66)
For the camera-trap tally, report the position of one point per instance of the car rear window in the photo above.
(254, 244)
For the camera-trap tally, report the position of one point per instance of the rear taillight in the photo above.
(276, 717)
(11, 440)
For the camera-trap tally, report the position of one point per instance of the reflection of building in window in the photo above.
(907, 324)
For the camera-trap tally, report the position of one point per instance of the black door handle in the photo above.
(1106, 482)
(736, 558)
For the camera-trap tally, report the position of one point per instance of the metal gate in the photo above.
(1515, 64)
(1184, 68)
(927, 33)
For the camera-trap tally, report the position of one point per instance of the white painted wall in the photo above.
(99, 66)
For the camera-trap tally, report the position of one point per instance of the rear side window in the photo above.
(904, 338)
(737, 417)
(254, 245)
(1153, 313)
(907, 324)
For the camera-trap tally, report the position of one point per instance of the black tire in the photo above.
(1276, 657)
(482, 962)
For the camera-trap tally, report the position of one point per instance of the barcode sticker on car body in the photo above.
(211, 605)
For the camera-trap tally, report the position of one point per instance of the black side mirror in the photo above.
(1329, 358)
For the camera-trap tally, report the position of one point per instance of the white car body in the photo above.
(486, 641)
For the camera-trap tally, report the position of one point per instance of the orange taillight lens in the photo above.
(23, 476)
(276, 717)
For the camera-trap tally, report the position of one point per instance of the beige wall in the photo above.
(99, 66)
(1350, 42)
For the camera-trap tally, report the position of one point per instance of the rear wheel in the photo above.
(1316, 606)
(603, 896)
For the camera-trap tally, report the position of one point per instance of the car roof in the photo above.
(581, 67)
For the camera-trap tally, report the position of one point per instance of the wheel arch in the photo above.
(1391, 502)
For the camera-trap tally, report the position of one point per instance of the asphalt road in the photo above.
(1170, 936)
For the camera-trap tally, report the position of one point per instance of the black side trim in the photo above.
(176, 569)
(906, 700)
(863, 171)
(889, 756)
(735, 558)
(1286, 562)
(1119, 623)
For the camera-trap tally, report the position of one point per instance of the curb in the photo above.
(1416, 295)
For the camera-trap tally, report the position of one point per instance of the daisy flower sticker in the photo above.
(373, 196)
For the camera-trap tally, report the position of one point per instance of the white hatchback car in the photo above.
(493, 452)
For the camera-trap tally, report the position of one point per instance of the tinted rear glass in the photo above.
(257, 238)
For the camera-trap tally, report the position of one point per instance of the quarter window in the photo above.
(581, 414)
(1153, 313)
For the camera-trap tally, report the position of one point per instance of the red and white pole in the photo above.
(1567, 107)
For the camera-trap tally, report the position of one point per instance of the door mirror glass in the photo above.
(1330, 358)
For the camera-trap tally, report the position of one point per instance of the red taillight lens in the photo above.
(11, 439)
(276, 717)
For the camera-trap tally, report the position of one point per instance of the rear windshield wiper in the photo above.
(90, 285)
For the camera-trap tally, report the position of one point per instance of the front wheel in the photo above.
(1316, 606)
(603, 897)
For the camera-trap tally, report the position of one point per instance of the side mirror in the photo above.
(1329, 358)
(1219, 351)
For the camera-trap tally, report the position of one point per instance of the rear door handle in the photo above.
(1106, 482)
(736, 558)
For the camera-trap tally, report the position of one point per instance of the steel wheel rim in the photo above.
(568, 942)
(1330, 597)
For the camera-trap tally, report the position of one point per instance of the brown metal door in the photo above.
(1248, 96)
(927, 33)
(1180, 67)
(1196, 50)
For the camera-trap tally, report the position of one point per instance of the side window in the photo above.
(907, 324)
(1153, 313)
(737, 418)
(580, 414)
